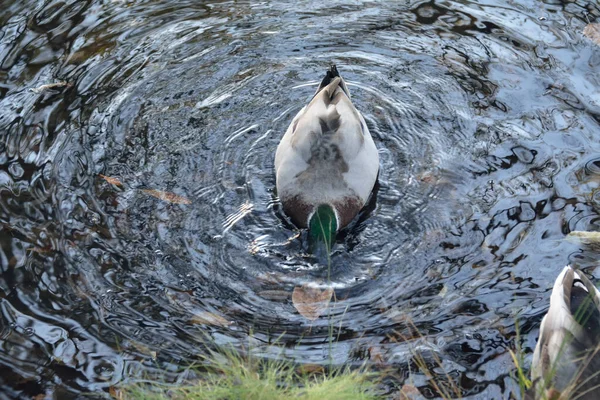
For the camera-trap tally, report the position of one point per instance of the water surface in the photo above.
(486, 117)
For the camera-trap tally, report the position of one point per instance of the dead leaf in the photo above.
(143, 349)
(593, 237)
(310, 369)
(49, 86)
(311, 301)
(112, 181)
(592, 32)
(208, 318)
(116, 393)
(41, 250)
(167, 196)
(553, 394)
(427, 177)
(376, 355)
(409, 392)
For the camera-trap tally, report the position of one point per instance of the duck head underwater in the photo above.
(326, 164)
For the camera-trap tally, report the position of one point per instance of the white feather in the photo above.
(302, 139)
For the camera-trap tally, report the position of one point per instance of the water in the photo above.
(486, 116)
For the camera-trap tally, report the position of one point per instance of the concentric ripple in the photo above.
(139, 216)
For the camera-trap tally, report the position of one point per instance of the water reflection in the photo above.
(485, 116)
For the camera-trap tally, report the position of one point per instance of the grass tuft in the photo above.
(518, 357)
(230, 375)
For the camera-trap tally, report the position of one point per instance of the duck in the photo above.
(326, 164)
(566, 360)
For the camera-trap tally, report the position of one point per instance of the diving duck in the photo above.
(566, 361)
(326, 164)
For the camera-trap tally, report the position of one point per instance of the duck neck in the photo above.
(322, 228)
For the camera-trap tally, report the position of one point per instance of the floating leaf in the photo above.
(311, 301)
(208, 318)
(112, 181)
(593, 237)
(167, 196)
(57, 85)
(592, 31)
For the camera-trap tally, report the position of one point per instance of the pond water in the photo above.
(139, 218)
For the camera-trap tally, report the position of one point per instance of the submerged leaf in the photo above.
(376, 355)
(310, 369)
(311, 302)
(167, 196)
(208, 318)
(143, 349)
(592, 32)
(427, 177)
(410, 392)
(112, 181)
(41, 250)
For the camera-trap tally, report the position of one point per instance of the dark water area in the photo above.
(486, 116)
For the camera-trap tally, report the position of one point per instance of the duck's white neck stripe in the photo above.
(337, 217)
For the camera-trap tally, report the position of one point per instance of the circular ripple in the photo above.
(139, 192)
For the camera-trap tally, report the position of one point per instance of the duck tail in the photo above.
(333, 76)
(329, 76)
(584, 302)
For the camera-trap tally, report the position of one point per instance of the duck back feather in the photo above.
(327, 156)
